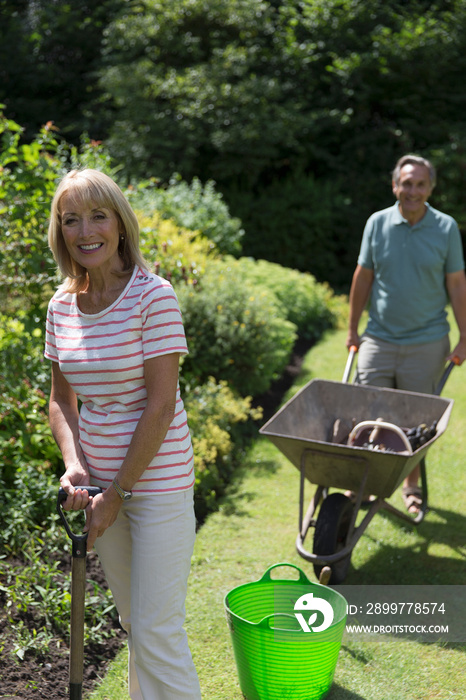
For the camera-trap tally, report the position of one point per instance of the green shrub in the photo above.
(217, 421)
(177, 254)
(194, 206)
(31, 462)
(235, 330)
(304, 301)
(22, 352)
(28, 174)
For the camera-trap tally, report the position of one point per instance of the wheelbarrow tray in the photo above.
(302, 430)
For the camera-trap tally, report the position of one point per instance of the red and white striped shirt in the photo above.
(102, 357)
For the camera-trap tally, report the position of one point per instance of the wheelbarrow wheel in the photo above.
(330, 533)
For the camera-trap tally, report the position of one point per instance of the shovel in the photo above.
(78, 584)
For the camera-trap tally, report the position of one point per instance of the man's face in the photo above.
(413, 190)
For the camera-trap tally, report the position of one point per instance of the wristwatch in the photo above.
(124, 495)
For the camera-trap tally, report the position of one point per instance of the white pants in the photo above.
(146, 556)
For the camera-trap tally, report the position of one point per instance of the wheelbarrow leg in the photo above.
(425, 492)
(306, 520)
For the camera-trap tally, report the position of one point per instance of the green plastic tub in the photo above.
(284, 652)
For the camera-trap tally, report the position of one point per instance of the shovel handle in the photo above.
(79, 541)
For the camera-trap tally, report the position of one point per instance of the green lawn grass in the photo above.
(256, 527)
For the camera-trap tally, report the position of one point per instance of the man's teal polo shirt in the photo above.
(409, 295)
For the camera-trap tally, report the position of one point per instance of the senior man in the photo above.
(410, 266)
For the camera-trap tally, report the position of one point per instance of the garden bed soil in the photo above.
(46, 677)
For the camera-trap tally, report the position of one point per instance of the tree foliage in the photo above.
(49, 52)
(297, 109)
(28, 173)
(275, 100)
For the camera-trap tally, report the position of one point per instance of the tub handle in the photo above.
(302, 576)
(265, 622)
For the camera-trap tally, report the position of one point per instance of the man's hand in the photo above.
(353, 340)
(456, 286)
(458, 356)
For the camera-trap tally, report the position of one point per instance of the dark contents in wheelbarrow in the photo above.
(381, 436)
(421, 434)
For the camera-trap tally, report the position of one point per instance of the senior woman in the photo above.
(115, 335)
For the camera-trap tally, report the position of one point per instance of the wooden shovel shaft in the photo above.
(78, 585)
(78, 589)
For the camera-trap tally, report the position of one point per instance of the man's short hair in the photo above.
(414, 160)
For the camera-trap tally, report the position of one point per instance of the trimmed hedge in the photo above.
(236, 331)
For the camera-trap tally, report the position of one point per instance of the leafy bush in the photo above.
(194, 206)
(235, 330)
(21, 352)
(31, 463)
(175, 253)
(304, 302)
(216, 419)
(27, 181)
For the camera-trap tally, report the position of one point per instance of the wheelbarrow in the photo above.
(308, 430)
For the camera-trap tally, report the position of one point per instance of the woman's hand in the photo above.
(101, 510)
(72, 479)
(101, 513)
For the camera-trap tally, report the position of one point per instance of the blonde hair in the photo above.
(93, 186)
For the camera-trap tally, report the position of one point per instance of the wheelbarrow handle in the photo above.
(349, 363)
(79, 541)
(447, 371)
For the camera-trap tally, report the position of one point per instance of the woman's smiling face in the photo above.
(91, 234)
